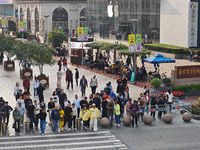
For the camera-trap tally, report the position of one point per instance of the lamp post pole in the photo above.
(23, 27)
(46, 17)
(82, 44)
(134, 30)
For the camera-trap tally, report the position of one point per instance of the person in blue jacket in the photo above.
(55, 116)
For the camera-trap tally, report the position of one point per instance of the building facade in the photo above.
(111, 19)
(45, 15)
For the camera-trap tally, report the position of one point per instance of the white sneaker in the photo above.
(96, 131)
(118, 125)
(42, 134)
(75, 129)
(69, 129)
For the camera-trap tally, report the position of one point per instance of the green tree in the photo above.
(56, 37)
(7, 43)
(40, 55)
(12, 26)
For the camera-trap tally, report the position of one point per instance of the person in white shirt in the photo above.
(66, 102)
(37, 112)
(77, 101)
(20, 100)
(170, 98)
(74, 116)
(93, 84)
(35, 86)
(16, 89)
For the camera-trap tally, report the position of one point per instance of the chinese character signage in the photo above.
(131, 39)
(79, 33)
(138, 42)
(193, 24)
(188, 71)
(3, 1)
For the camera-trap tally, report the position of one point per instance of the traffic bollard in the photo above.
(78, 124)
(27, 126)
(4, 128)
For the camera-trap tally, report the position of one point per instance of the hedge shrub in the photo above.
(155, 82)
(187, 88)
(169, 49)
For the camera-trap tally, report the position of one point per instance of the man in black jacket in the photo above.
(6, 109)
(76, 76)
(83, 84)
(104, 108)
(40, 90)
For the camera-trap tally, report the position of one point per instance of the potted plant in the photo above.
(41, 55)
(7, 43)
(156, 84)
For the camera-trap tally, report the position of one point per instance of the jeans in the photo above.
(190, 59)
(74, 121)
(55, 125)
(42, 125)
(93, 88)
(110, 114)
(117, 118)
(32, 120)
(4, 119)
(65, 66)
(83, 90)
(77, 81)
(35, 92)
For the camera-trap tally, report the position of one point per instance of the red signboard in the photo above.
(188, 71)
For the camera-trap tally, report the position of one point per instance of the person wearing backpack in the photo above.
(107, 89)
(93, 84)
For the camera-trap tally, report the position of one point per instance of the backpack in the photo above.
(107, 90)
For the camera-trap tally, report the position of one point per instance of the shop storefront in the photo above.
(111, 19)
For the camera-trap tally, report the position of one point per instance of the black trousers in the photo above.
(153, 114)
(41, 97)
(104, 113)
(68, 120)
(134, 118)
(93, 88)
(85, 123)
(17, 127)
(6, 119)
(74, 121)
(78, 112)
(160, 114)
(70, 81)
(77, 81)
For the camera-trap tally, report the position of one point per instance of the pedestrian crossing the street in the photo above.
(63, 141)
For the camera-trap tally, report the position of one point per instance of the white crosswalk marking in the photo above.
(65, 141)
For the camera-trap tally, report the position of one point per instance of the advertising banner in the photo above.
(24, 26)
(193, 24)
(85, 33)
(131, 39)
(3, 23)
(6, 23)
(3, 1)
(79, 33)
(138, 42)
(132, 77)
(78, 45)
(20, 26)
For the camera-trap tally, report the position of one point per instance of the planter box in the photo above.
(44, 80)
(164, 89)
(9, 65)
(26, 73)
(196, 117)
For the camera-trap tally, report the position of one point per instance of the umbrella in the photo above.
(158, 59)
(62, 27)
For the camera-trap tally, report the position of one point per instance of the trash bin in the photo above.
(27, 126)
(78, 124)
(4, 128)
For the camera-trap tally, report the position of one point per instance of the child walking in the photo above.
(61, 120)
(85, 115)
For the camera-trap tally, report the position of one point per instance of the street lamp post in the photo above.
(134, 30)
(82, 17)
(22, 15)
(46, 17)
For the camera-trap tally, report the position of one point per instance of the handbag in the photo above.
(13, 126)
